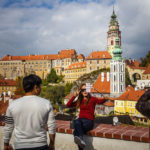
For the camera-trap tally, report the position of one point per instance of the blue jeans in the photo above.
(82, 126)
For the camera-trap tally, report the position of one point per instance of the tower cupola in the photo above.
(117, 52)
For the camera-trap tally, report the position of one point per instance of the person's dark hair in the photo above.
(30, 81)
(80, 98)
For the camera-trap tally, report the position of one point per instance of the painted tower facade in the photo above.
(117, 71)
(112, 33)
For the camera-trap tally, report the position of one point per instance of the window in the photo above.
(114, 78)
(97, 61)
(121, 88)
(121, 78)
(112, 42)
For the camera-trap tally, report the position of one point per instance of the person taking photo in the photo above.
(86, 104)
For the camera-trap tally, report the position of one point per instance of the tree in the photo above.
(44, 82)
(1, 77)
(68, 87)
(127, 78)
(53, 93)
(52, 76)
(145, 61)
(19, 88)
(60, 78)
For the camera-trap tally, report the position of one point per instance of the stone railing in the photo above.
(102, 137)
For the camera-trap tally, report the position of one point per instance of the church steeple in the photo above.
(113, 32)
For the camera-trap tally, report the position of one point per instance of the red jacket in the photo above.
(86, 110)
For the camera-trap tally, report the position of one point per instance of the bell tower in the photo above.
(112, 33)
(117, 71)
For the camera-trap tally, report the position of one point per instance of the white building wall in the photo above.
(117, 77)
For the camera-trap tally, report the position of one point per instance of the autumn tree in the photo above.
(19, 88)
(145, 60)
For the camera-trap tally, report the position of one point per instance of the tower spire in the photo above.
(113, 9)
(113, 32)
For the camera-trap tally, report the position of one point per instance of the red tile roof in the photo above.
(77, 65)
(109, 104)
(129, 88)
(147, 71)
(62, 54)
(81, 56)
(99, 55)
(7, 82)
(134, 64)
(102, 87)
(67, 53)
(30, 57)
(131, 95)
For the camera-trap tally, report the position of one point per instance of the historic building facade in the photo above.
(7, 86)
(98, 60)
(41, 65)
(75, 71)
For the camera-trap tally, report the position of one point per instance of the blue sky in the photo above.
(48, 26)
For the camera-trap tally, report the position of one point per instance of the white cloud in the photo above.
(73, 25)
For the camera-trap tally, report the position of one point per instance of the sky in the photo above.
(48, 26)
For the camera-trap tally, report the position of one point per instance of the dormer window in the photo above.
(104, 56)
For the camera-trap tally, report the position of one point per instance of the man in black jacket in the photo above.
(143, 105)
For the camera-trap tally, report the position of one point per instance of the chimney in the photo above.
(9, 57)
(107, 76)
(102, 77)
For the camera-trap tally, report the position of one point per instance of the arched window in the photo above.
(112, 42)
(114, 68)
(114, 78)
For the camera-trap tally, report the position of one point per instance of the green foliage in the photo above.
(127, 78)
(19, 88)
(52, 76)
(146, 60)
(60, 78)
(68, 87)
(111, 113)
(53, 93)
(44, 82)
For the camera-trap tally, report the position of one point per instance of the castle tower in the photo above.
(113, 33)
(117, 71)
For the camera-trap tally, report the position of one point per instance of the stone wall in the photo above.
(102, 137)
